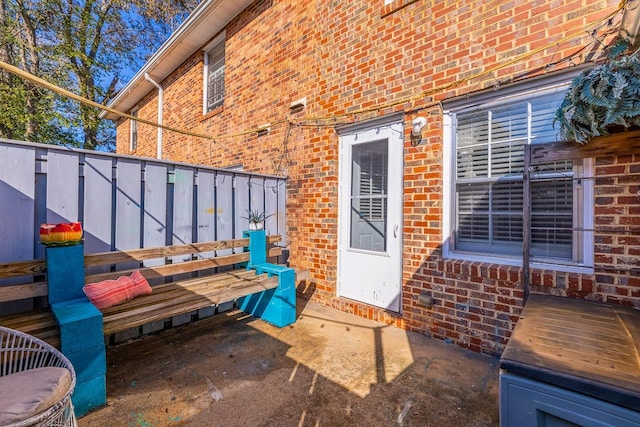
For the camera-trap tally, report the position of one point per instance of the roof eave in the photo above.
(206, 20)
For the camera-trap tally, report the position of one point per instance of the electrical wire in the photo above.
(302, 121)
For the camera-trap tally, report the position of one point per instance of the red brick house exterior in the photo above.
(359, 60)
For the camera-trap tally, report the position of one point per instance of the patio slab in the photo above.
(328, 369)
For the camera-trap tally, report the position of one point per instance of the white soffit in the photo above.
(206, 20)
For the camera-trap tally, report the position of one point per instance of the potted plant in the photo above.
(256, 219)
(602, 98)
(63, 234)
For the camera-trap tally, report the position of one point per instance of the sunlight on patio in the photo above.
(349, 359)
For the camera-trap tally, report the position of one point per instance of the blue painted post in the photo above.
(65, 272)
(276, 306)
(80, 323)
(257, 247)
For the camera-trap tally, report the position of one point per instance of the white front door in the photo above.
(370, 215)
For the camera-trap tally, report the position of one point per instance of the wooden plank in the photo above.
(241, 204)
(224, 208)
(17, 205)
(187, 302)
(196, 286)
(171, 291)
(256, 194)
(182, 209)
(138, 255)
(23, 291)
(173, 269)
(282, 210)
(271, 205)
(128, 200)
(186, 305)
(98, 203)
(22, 268)
(622, 143)
(62, 173)
(155, 208)
(38, 267)
(274, 252)
(302, 274)
(40, 214)
(206, 208)
(39, 323)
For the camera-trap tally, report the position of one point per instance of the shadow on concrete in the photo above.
(328, 369)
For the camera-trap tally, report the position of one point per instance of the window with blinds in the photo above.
(369, 194)
(489, 150)
(215, 77)
(372, 185)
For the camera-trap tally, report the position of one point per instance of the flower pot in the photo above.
(61, 234)
(256, 226)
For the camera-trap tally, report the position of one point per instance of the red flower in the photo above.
(61, 233)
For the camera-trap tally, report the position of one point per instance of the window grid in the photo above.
(489, 183)
(372, 194)
(215, 76)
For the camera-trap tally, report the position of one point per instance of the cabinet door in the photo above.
(527, 403)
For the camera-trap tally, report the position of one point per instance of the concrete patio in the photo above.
(328, 369)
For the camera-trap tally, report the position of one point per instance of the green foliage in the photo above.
(256, 216)
(608, 94)
(83, 46)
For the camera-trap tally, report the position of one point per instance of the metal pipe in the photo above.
(160, 115)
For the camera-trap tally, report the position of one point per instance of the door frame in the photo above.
(362, 127)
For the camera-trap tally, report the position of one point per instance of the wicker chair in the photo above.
(20, 353)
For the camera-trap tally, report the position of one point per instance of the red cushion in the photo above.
(108, 293)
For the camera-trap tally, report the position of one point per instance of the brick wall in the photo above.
(617, 238)
(360, 59)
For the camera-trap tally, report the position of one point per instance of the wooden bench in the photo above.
(185, 279)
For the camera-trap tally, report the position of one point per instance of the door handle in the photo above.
(395, 231)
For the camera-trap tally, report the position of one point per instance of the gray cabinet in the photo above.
(528, 403)
(571, 363)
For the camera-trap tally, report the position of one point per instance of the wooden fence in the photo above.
(124, 202)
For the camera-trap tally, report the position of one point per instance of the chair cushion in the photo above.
(108, 293)
(28, 393)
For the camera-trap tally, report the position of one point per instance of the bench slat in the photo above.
(187, 291)
(23, 291)
(187, 301)
(22, 268)
(170, 290)
(167, 300)
(138, 255)
(179, 268)
(173, 269)
(39, 323)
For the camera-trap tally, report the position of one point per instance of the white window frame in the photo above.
(219, 39)
(133, 131)
(583, 212)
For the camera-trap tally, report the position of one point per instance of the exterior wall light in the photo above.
(416, 126)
